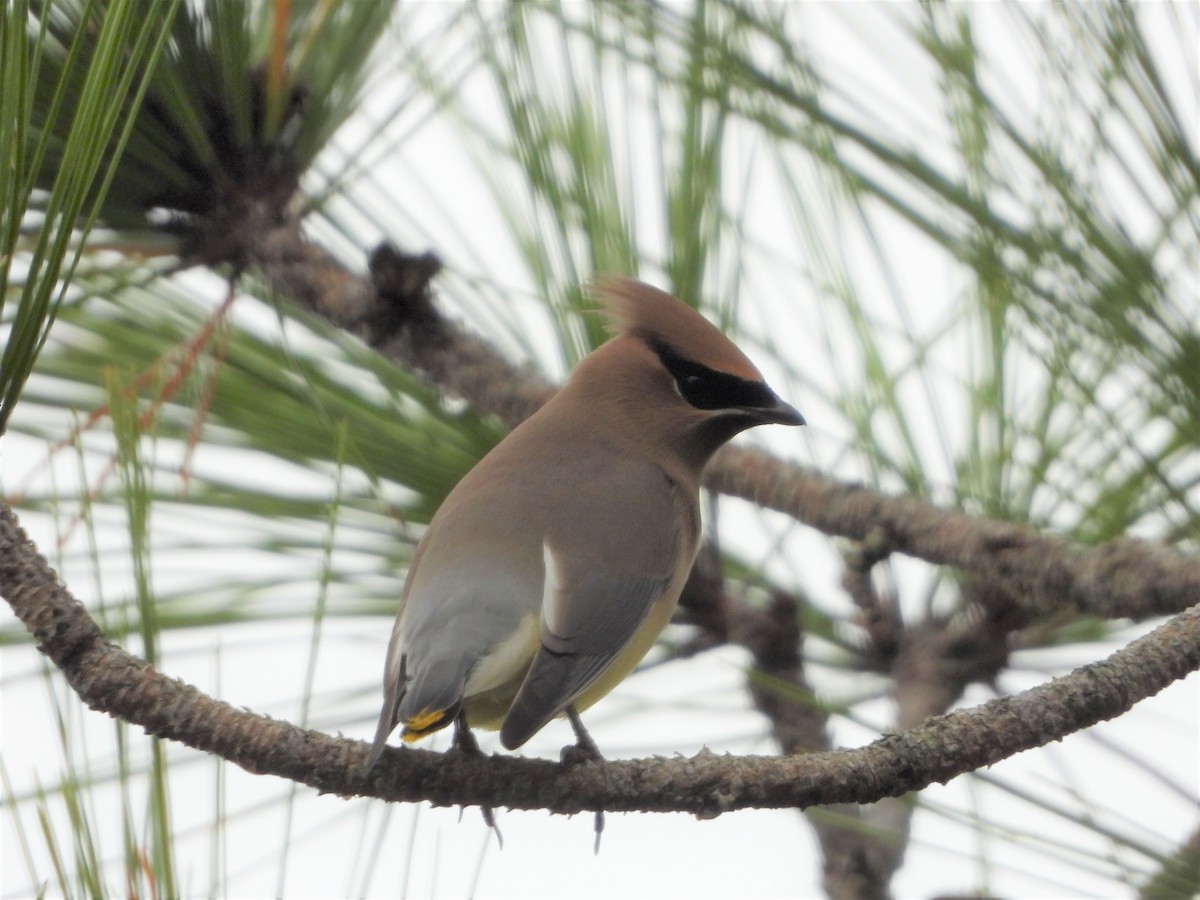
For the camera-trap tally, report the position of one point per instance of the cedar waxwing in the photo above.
(550, 569)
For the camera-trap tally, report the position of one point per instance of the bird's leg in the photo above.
(464, 742)
(464, 739)
(584, 750)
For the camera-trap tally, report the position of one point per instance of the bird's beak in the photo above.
(780, 413)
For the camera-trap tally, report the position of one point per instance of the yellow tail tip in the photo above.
(424, 722)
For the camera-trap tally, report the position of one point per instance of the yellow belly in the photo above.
(634, 652)
(493, 685)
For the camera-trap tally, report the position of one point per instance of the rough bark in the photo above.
(1042, 573)
(111, 680)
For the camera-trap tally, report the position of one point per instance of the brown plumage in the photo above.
(554, 564)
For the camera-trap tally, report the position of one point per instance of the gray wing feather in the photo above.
(388, 717)
(450, 619)
(601, 611)
(605, 567)
(612, 608)
(553, 682)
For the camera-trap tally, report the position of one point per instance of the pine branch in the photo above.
(1041, 573)
(111, 680)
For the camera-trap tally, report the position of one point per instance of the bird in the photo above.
(550, 569)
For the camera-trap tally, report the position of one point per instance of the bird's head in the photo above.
(670, 377)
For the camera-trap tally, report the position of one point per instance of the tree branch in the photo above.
(394, 314)
(854, 858)
(110, 680)
(1119, 579)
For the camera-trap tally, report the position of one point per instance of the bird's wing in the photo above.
(393, 685)
(605, 568)
(452, 617)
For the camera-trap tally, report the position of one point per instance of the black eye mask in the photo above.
(706, 388)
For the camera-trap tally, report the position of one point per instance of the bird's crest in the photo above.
(660, 319)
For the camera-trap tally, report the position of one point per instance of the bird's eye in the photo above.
(706, 388)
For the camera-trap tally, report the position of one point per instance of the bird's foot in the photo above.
(464, 742)
(584, 750)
